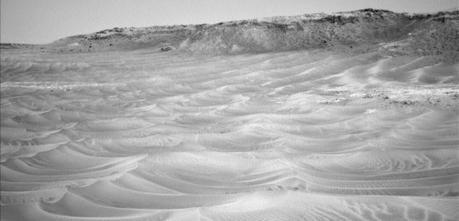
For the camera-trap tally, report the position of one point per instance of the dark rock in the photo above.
(166, 48)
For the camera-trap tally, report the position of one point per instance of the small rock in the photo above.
(166, 48)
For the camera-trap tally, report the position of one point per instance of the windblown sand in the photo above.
(310, 135)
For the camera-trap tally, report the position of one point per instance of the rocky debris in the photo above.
(443, 98)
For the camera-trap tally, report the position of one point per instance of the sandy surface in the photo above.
(280, 136)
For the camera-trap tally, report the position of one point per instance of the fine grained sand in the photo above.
(310, 135)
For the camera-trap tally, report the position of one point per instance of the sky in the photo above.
(43, 21)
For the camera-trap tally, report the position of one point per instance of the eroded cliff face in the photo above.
(426, 34)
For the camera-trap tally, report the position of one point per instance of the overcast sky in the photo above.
(43, 21)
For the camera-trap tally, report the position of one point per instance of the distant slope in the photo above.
(16, 46)
(425, 34)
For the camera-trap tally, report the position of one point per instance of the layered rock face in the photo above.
(422, 34)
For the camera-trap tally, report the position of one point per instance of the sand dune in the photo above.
(302, 135)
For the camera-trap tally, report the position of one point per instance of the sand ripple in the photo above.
(283, 136)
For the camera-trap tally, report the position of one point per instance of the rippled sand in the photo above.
(284, 136)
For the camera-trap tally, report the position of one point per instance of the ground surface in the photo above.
(308, 135)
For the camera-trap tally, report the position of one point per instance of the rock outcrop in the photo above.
(422, 34)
